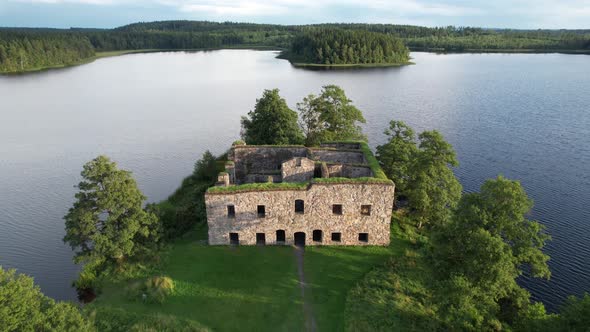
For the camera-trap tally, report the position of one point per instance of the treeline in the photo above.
(334, 46)
(24, 49)
(453, 38)
(29, 49)
(191, 35)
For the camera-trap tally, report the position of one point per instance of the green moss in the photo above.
(238, 143)
(373, 163)
(269, 146)
(258, 187)
(352, 180)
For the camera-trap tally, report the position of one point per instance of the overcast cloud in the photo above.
(111, 13)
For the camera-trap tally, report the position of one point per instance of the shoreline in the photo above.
(107, 54)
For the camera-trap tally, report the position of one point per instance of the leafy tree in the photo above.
(330, 116)
(397, 154)
(24, 308)
(488, 242)
(432, 189)
(207, 168)
(271, 122)
(107, 223)
(574, 315)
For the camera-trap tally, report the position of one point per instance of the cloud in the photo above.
(498, 13)
(84, 2)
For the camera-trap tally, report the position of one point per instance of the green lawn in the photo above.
(398, 293)
(247, 288)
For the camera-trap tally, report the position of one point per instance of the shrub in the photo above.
(158, 288)
(154, 289)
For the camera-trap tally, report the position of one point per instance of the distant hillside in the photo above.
(54, 47)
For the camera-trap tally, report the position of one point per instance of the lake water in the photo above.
(524, 116)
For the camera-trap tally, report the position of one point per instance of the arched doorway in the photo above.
(300, 239)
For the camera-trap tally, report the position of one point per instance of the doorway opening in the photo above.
(300, 239)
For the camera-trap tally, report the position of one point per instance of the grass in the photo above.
(222, 288)
(245, 288)
(340, 180)
(397, 294)
(332, 272)
(258, 187)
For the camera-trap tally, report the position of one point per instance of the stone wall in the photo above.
(341, 157)
(350, 171)
(318, 214)
(341, 146)
(335, 170)
(298, 169)
(250, 159)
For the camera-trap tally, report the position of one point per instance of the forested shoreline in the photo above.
(26, 49)
(332, 46)
(22, 50)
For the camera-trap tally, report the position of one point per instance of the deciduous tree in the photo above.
(24, 308)
(108, 223)
(433, 190)
(331, 116)
(397, 154)
(271, 122)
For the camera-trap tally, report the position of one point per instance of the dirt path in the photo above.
(310, 323)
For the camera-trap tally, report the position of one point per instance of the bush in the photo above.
(153, 290)
(159, 288)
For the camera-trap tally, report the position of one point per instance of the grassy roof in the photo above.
(269, 186)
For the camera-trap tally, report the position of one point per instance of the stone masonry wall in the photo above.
(318, 214)
(298, 169)
(349, 171)
(252, 159)
(342, 157)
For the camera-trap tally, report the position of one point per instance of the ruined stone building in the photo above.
(335, 194)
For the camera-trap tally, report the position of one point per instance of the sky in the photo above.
(517, 14)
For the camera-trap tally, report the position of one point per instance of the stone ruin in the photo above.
(326, 195)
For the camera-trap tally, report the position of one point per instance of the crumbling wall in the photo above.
(351, 171)
(251, 159)
(341, 146)
(298, 169)
(340, 157)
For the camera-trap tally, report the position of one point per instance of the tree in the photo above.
(432, 189)
(24, 308)
(574, 315)
(330, 117)
(397, 154)
(271, 122)
(206, 168)
(488, 242)
(107, 223)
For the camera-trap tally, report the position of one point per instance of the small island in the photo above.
(334, 47)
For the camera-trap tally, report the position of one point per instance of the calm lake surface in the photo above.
(524, 116)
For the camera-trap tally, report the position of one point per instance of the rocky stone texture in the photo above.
(299, 169)
(253, 159)
(279, 208)
(338, 156)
